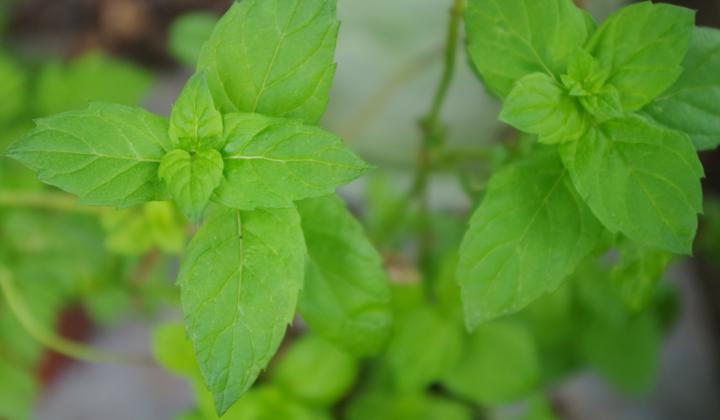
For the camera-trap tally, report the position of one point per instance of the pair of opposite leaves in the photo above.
(593, 95)
(242, 136)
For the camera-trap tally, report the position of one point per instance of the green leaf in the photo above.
(424, 347)
(625, 354)
(346, 296)
(637, 273)
(540, 105)
(499, 365)
(692, 105)
(188, 34)
(18, 389)
(195, 123)
(586, 80)
(527, 236)
(173, 350)
(377, 405)
(192, 179)
(271, 162)
(640, 179)
(643, 45)
(510, 39)
(315, 371)
(105, 154)
(92, 77)
(239, 285)
(273, 57)
(270, 403)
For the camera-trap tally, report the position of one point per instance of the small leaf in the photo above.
(195, 123)
(106, 154)
(239, 285)
(271, 162)
(500, 365)
(273, 57)
(539, 105)
(346, 296)
(586, 80)
(692, 105)
(192, 179)
(640, 179)
(510, 39)
(315, 371)
(529, 233)
(643, 45)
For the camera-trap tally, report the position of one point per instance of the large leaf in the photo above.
(527, 236)
(643, 46)
(692, 105)
(346, 296)
(640, 179)
(239, 285)
(509, 39)
(106, 154)
(271, 162)
(273, 57)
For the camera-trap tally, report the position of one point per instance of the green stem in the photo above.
(432, 139)
(46, 201)
(48, 339)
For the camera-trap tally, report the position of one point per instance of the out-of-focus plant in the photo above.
(558, 269)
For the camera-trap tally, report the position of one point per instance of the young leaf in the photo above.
(527, 236)
(500, 365)
(273, 57)
(195, 123)
(271, 162)
(586, 80)
(539, 105)
(692, 105)
(315, 371)
(643, 45)
(192, 179)
(346, 296)
(509, 39)
(640, 179)
(239, 285)
(105, 154)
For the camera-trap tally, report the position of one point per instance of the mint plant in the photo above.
(484, 312)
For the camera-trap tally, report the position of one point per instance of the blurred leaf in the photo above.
(382, 406)
(17, 391)
(499, 365)
(92, 77)
(424, 347)
(637, 273)
(137, 230)
(188, 34)
(12, 90)
(315, 371)
(539, 408)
